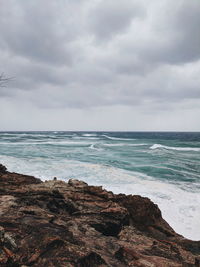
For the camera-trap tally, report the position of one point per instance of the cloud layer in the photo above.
(139, 59)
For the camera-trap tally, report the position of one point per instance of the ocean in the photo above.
(164, 166)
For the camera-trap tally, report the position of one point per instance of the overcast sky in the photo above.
(100, 65)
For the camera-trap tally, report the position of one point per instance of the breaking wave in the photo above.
(117, 138)
(124, 144)
(158, 146)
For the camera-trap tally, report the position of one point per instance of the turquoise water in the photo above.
(162, 166)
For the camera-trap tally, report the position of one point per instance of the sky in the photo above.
(100, 65)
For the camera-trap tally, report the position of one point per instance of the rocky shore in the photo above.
(54, 223)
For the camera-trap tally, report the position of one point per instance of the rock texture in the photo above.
(70, 224)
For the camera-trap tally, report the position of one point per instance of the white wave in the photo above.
(46, 143)
(18, 143)
(90, 138)
(63, 135)
(124, 144)
(158, 146)
(30, 135)
(116, 138)
(85, 138)
(10, 134)
(92, 146)
(88, 135)
(68, 143)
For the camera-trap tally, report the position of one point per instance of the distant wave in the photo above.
(29, 136)
(46, 143)
(84, 137)
(123, 144)
(116, 138)
(92, 146)
(157, 146)
(88, 135)
(3, 135)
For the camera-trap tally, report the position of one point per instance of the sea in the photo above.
(163, 166)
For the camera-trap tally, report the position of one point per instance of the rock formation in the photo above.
(60, 224)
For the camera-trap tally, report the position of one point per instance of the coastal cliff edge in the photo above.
(55, 223)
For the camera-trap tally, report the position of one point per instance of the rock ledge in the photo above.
(70, 224)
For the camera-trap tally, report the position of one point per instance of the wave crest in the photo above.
(158, 146)
(117, 138)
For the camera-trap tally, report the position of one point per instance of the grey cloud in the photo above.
(100, 54)
(110, 17)
(38, 30)
(175, 29)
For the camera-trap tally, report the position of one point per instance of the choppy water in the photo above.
(162, 166)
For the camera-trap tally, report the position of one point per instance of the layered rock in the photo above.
(54, 223)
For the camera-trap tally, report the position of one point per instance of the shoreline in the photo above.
(55, 223)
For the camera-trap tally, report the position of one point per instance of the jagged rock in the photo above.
(3, 169)
(72, 224)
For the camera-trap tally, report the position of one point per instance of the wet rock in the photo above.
(72, 224)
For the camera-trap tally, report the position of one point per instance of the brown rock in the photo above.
(72, 224)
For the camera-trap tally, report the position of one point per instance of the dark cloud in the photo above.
(38, 31)
(139, 56)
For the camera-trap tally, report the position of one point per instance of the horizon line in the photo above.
(101, 131)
